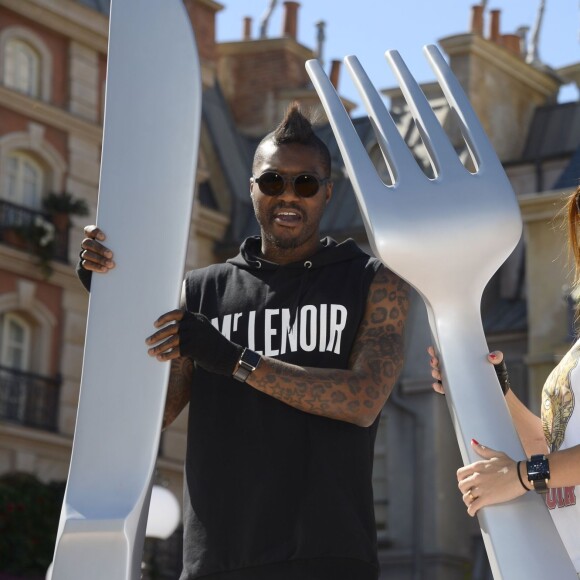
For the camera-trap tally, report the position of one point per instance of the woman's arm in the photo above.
(528, 425)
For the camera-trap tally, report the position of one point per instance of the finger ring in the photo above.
(471, 496)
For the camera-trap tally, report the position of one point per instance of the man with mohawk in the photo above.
(286, 354)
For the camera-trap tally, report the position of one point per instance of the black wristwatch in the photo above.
(247, 364)
(538, 468)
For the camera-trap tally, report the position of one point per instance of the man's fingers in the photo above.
(438, 388)
(168, 336)
(94, 256)
(172, 354)
(166, 332)
(172, 316)
(93, 267)
(435, 372)
(172, 343)
(91, 245)
(100, 263)
(95, 233)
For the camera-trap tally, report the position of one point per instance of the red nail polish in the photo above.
(494, 356)
(475, 442)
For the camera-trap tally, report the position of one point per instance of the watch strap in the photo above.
(247, 364)
(540, 485)
(538, 469)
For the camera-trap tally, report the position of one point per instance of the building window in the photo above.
(26, 397)
(23, 181)
(22, 68)
(14, 342)
(14, 358)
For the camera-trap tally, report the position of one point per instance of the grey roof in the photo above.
(342, 217)
(554, 132)
(235, 155)
(102, 6)
(570, 177)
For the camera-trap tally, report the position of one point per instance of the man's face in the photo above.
(288, 221)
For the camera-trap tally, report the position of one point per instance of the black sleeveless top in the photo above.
(272, 492)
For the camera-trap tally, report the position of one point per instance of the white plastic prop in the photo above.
(151, 136)
(447, 236)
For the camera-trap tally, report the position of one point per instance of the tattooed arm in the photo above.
(357, 394)
(180, 378)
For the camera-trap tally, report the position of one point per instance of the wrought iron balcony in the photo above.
(34, 231)
(29, 399)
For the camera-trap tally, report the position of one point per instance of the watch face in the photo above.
(250, 358)
(538, 468)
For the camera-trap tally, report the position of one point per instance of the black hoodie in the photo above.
(271, 492)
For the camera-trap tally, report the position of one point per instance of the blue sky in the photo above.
(367, 28)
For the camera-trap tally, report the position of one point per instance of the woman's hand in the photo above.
(492, 480)
(95, 257)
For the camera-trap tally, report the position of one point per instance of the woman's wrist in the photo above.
(520, 477)
(503, 377)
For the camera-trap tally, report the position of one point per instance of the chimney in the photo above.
(320, 37)
(247, 28)
(494, 26)
(522, 32)
(512, 42)
(290, 25)
(202, 16)
(473, 59)
(477, 19)
(335, 73)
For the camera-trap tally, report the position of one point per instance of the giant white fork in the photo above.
(447, 236)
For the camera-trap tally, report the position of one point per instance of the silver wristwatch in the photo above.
(247, 364)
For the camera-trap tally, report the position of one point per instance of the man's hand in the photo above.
(94, 256)
(187, 334)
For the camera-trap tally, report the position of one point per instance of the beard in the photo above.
(284, 243)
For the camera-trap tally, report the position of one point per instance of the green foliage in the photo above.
(64, 202)
(39, 236)
(29, 514)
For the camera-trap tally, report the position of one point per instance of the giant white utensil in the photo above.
(447, 236)
(151, 136)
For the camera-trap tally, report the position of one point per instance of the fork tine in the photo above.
(395, 151)
(482, 151)
(439, 147)
(360, 168)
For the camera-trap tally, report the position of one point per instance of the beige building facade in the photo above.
(53, 56)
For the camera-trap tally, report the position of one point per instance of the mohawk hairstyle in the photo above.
(296, 128)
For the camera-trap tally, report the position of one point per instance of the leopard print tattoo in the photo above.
(357, 394)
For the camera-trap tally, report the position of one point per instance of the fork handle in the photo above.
(520, 536)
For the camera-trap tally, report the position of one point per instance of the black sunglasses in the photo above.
(304, 185)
